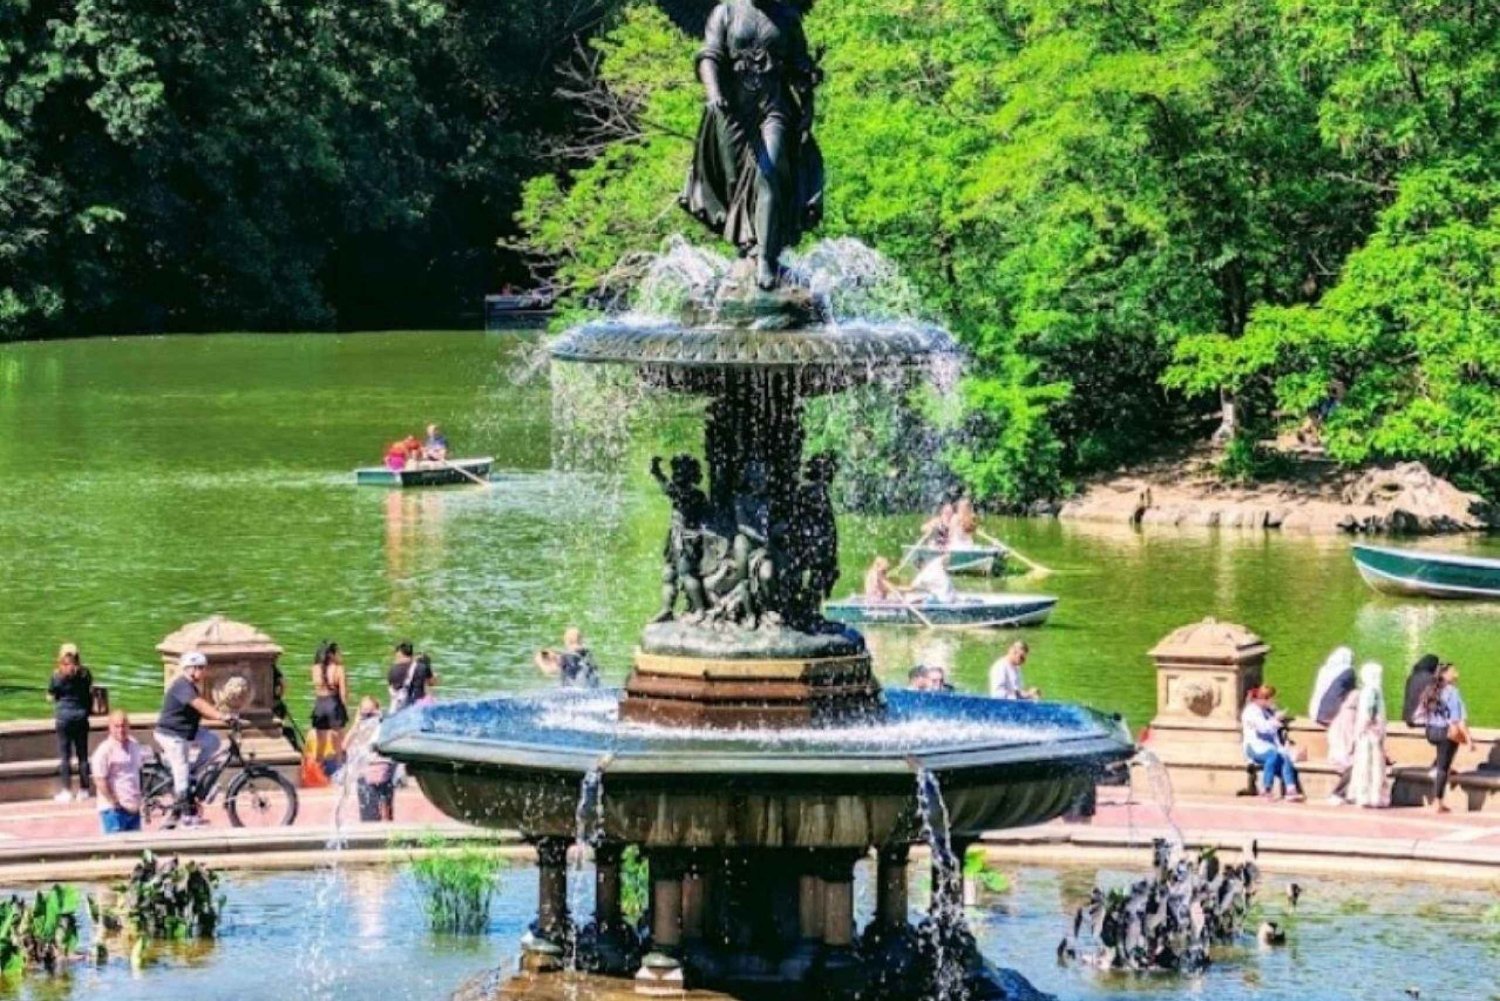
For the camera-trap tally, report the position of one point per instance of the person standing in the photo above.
(409, 678)
(1367, 785)
(1443, 713)
(179, 731)
(1343, 739)
(1334, 683)
(377, 777)
(330, 712)
(71, 691)
(1422, 673)
(117, 770)
(1005, 675)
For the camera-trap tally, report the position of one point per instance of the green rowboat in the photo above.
(1415, 573)
(425, 474)
(968, 611)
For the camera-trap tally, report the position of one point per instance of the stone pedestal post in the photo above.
(1203, 672)
(241, 673)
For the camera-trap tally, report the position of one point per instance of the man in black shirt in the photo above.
(178, 731)
(409, 677)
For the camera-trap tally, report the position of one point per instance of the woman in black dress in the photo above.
(330, 701)
(71, 692)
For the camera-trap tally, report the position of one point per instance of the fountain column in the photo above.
(890, 886)
(666, 905)
(607, 912)
(552, 888)
(838, 903)
(810, 894)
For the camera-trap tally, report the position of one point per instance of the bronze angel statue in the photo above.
(757, 174)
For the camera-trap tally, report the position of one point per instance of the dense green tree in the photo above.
(261, 164)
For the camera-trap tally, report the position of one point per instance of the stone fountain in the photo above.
(752, 757)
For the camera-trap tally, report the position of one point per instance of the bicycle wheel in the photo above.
(157, 799)
(261, 797)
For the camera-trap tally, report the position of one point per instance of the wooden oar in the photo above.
(460, 469)
(912, 551)
(913, 608)
(1034, 566)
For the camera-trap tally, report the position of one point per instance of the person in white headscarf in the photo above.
(1335, 680)
(1367, 783)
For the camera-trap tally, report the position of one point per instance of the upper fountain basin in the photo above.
(695, 358)
(518, 763)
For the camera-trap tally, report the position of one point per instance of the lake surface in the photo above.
(148, 482)
(356, 933)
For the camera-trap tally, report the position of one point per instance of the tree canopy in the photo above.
(1126, 209)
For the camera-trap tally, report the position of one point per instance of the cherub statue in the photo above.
(683, 552)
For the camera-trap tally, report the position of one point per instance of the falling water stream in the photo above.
(945, 915)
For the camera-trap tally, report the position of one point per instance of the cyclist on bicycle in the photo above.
(178, 731)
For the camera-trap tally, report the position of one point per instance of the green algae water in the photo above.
(148, 482)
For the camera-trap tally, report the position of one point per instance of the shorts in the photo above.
(371, 797)
(117, 821)
(329, 713)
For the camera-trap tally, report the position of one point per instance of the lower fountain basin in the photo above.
(519, 762)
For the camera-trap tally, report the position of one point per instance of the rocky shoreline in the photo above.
(1404, 499)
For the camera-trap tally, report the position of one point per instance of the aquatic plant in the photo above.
(40, 933)
(635, 884)
(457, 884)
(168, 899)
(977, 870)
(1169, 921)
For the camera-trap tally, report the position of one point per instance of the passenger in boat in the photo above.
(963, 525)
(878, 586)
(402, 453)
(330, 712)
(1005, 675)
(1422, 674)
(933, 583)
(1444, 715)
(937, 529)
(1334, 682)
(435, 448)
(1262, 726)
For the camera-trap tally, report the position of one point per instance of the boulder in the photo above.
(1407, 498)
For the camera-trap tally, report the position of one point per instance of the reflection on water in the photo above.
(1345, 940)
(145, 483)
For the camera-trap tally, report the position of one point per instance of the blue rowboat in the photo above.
(425, 474)
(1415, 573)
(974, 561)
(970, 611)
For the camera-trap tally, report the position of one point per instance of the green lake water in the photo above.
(148, 482)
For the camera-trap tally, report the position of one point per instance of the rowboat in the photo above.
(1428, 574)
(969, 611)
(425, 474)
(976, 561)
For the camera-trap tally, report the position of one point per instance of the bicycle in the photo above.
(259, 796)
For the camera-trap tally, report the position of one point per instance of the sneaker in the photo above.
(1295, 797)
(63, 797)
(1336, 800)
